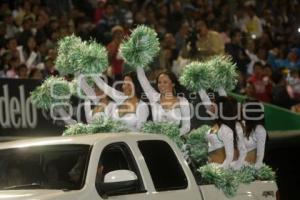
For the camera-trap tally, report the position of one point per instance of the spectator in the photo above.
(261, 84)
(209, 42)
(280, 96)
(22, 71)
(115, 61)
(237, 52)
(253, 24)
(292, 61)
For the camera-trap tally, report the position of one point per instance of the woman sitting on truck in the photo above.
(104, 107)
(226, 137)
(222, 137)
(166, 106)
(255, 133)
(130, 109)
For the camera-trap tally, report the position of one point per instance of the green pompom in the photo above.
(92, 59)
(198, 145)
(169, 129)
(76, 129)
(196, 76)
(106, 125)
(67, 54)
(265, 173)
(100, 125)
(53, 90)
(223, 179)
(78, 57)
(246, 174)
(141, 48)
(223, 72)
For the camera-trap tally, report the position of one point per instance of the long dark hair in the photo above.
(254, 115)
(177, 86)
(227, 108)
(137, 86)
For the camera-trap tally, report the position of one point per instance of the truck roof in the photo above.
(78, 139)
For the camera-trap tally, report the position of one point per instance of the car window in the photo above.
(44, 167)
(165, 170)
(118, 156)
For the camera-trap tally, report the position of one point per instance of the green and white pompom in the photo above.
(246, 174)
(223, 72)
(53, 90)
(106, 125)
(196, 76)
(165, 128)
(198, 145)
(265, 173)
(100, 125)
(76, 129)
(141, 47)
(92, 58)
(223, 179)
(67, 54)
(78, 57)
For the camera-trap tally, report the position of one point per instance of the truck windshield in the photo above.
(44, 167)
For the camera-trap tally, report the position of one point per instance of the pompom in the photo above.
(169, 129)
(196, 76)
(141, 47)
(92, 58)
(265, 173)
(78, 57)
(198, 150)
(68, 52)
(100, 125)
(76, 129)
(106, 125)
(53, 90)
(223, 179)
(223, 72)
(246, 174)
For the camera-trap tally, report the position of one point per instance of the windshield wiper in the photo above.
(25, 186)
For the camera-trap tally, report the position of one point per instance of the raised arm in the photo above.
(261, 135)
(185, 116)
(116, 95)
(88, 111)
(226, 136)
(142, 112)
(205, 100)
(151, 93)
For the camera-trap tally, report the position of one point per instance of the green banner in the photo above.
(277, 118)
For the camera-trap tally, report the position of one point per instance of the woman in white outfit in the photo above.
(130, 109)
(104, 106)
(165, 105)
(225, 139)
(255, 133)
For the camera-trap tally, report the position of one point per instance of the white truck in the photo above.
(107, 166)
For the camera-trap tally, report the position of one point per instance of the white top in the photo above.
(257, 140)
(133, 121)
(107, 112)
(222, 138)
(178, 114)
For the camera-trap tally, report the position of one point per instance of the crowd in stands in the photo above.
(262, 37)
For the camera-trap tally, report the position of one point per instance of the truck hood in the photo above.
(31, 194)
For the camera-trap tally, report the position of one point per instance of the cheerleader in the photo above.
(225, 139)
(255, 133)
(129, 109)
(165, 105)
(103, 108)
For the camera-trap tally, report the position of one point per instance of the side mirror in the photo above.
(118, 182)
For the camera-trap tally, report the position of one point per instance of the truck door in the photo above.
(168, 174)
(115, 159)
